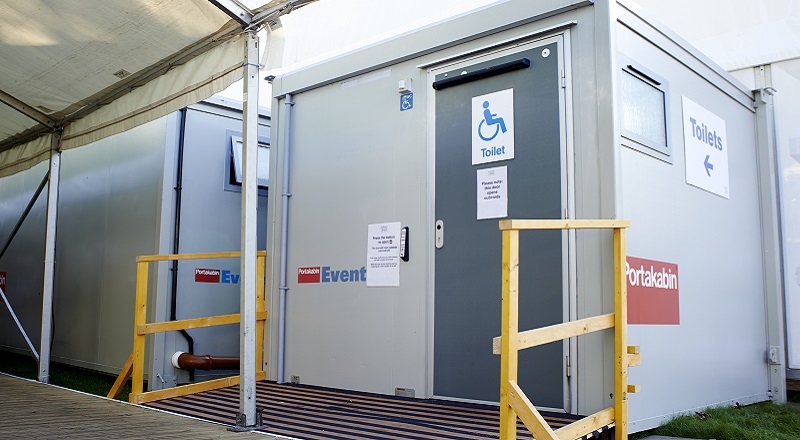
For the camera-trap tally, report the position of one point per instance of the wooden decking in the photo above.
(32, 410)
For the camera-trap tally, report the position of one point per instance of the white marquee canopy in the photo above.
(95, 68)
(75, 71)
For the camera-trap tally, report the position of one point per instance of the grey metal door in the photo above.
(468, 257)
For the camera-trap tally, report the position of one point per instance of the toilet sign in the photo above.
(706, 146)
(493, 127)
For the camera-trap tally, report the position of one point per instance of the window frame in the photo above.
(232, 136)
(636, 141)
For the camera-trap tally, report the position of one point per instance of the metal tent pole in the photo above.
(247, 305)
(50, 257)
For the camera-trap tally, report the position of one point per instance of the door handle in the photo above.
(439, 234)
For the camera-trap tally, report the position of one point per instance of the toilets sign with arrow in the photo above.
(706, 147)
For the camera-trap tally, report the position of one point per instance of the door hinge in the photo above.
(569, 367)
(563, 79)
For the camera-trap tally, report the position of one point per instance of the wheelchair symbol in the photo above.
(487, 138)
(406, 101)
(490, 119)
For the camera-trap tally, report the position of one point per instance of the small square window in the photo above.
(263, 162)
(234, 173)
(644, 115)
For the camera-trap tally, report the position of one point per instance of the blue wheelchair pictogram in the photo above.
(488, 120)
(406, 101)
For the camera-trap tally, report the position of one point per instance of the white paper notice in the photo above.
(493, 192)
(383, 255)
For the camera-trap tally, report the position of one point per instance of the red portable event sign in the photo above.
(206, 275)
(3, 281)
(652, 292)
(308, 274)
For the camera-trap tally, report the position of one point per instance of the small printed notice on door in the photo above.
(383, 255)
(493, 192)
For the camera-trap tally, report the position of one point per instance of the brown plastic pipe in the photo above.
(205, 362)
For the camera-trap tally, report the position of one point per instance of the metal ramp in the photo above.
(316, 413)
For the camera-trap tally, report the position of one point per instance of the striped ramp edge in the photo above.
(316, 413)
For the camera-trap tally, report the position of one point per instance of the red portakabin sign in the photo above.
(308, 274)
(652, 292)
(206, 275)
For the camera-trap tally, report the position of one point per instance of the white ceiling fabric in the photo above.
(99, 67)
(72, 48)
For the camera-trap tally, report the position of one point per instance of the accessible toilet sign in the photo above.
(706, 146)
(493, 127)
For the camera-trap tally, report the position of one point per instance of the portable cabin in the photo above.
(170, 186)
(523, 110)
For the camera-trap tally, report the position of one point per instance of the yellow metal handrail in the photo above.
(134, 366)
(513, 401)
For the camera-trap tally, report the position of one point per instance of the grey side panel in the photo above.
(468, 275)
(108, 211)
(108, 214)
(24, 270)
(717, 245)
(210, 219)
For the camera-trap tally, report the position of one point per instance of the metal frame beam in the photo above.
(766, 150)
(50, 257)
(275, 12)
(19, 325)
(26, 110)
(234, 10)
(247, 303)
(24, 214)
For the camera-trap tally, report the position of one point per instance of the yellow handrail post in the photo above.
(513, 402)
(510, 329)
(620, 338)
(141, 329)
(139, 318)
(260, 305)
(123, 377)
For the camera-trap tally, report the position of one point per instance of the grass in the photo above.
(62, 375)
(761, 421)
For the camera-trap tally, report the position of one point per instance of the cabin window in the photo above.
(644, 100)
(235, 173)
